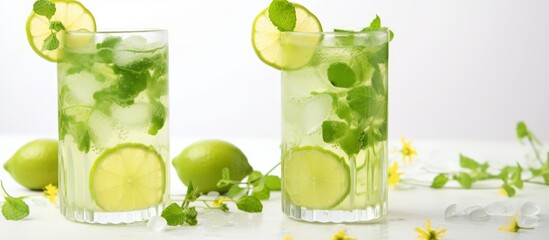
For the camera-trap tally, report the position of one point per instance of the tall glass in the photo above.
(334, 125)
(113, 126)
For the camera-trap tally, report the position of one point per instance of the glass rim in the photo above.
(341, 33)
(122, 31)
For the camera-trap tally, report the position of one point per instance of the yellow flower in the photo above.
(220, 200)
(50, 191)
(407, 151)
(342, 235)
(288, 237)
(394, 176)
(512, 225)
(502, 192)
(430, 234)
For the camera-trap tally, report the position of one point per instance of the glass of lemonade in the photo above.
(113, 125)
(334, 125)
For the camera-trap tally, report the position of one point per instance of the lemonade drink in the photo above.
(334, 125)
(113, 126)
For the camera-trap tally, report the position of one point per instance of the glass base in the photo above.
(370, 214)
(96, 217)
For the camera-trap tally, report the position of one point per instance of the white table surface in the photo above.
(409, 205)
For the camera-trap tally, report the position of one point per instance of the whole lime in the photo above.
(34, 165)
(203, 162)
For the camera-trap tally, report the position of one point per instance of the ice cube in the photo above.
(529, 209)
(135, 116)
(135, 43)
(214, 218)
(101, 128)
(478, 214)
(156, 224)
(314, 112)
(81, 87)
(528, 221)
(450, 211)
(500, 209)
(299, 84)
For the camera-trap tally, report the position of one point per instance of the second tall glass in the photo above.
(334, 125)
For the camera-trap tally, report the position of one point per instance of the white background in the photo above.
(459, 69)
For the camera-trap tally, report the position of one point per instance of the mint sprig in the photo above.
(176, 215)
(47, 9)
(511, 176)
(282, 15)
(14, 208)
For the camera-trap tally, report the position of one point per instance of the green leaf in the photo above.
(189, 216)
(509, 190)
(273, 183)
(522, 130)
(376, 23)
(343, 111)
(51, 42)
(377, 82)
(158, 117)
(15, 208)
(44, 8)
(254, 177)
(82, 136)
(282, 15)
(465, 180)
(546, 178)
(234, 191)
(381, 56)
(333, 130)
(439, 181)
(341, 75)
(173, 215)
(358, 99)
(516, 177)
(56, 26)
(469, 163)
(105, 55)
(391, 35)
(109, 42)
(353, 141)
(192, 194)
(261, 192)
(249, 204)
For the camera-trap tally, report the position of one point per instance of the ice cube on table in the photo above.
(529, 209)
(157, 224)
(450, 211)
(314, 112)
(528, 221)
(478, 214)
(214, 218)
(500, 209)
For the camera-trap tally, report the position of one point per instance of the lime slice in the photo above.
(72, 14)
(128, 177)
(315, 178)
(266, 37)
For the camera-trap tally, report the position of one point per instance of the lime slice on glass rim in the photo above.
(72, 14)
(129, 176)
(266, 38)
(315, 178)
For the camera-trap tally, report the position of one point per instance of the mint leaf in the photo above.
(391, 35)
(353, 141)
(191, 195)
(516, 177)
(357, 99)
(377, 82)
(249, 204)
(333, 130)
(272, 183)
(234, 191)
(51, 42)
(376, 23)
(254, 177)
(82, 136)
(44, 8)
(14, 208)
(464, 179)
(173, 215)
(469, 163)
(343, 111)
(439, 181)
(261, 192)
(546, 178)
(522, 130)
(381, 56)
(158, 117)
(189, 216)
(109, 42)
(341, 75)
(56, 26)
(282, 15)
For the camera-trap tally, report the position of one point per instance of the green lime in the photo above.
(203, 162)
(127, 177)
(315, 178)
(72, 14)
(34, 165)
(266, 38)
